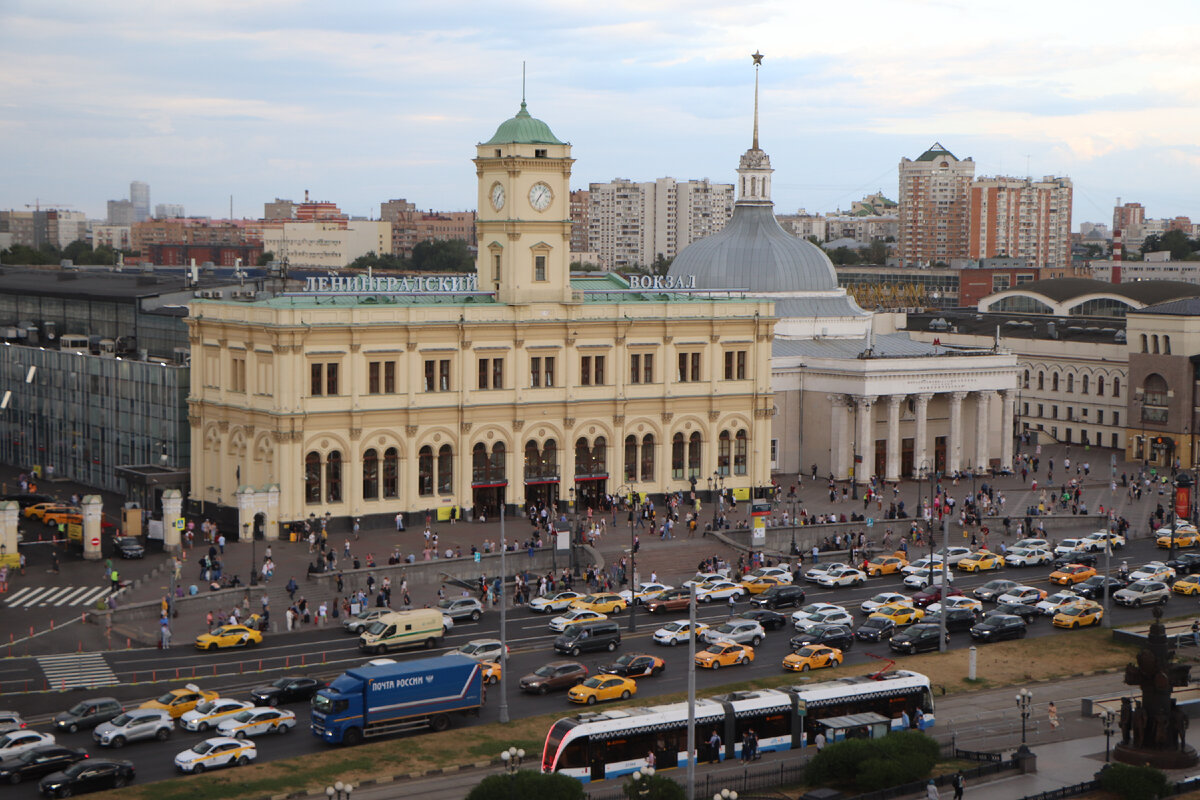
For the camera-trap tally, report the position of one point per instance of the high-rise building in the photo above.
(120, 212)
(935, 203)
(139, 195)
(280, 209)
(632, 224)
(168, 211)
(1023, 219)
(410, 227)
(51, 226)
(580, 210)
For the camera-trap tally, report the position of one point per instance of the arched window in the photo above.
(1041, 380)
(550, 458)
(333, 477)
(1166, 345)
(1026, 379)
(445, 472)
(497, 471)
(391, 472)
(479, 463)
(1100, 385)
(1071, 382)
(1085, 383)
(600, 456)
(678, 457)
(533, 461)
(1154, 344)
(583, 457)
(741, 445)
(631, 458)
(1054, 382)
(1144, 348)
(1155, 389)
(370, 467)
(694, 455)
(1116, 387)
(648, 457)
(425, 471)
(723, 452)
(312, 478)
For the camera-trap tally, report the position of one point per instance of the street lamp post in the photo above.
(339, 791)
(794, 551)
(253, 553)
(640, 788)
(1025, 706)
(725, 794)
(512, 758)
(503, 625)
(633, 585)
(1109, 719)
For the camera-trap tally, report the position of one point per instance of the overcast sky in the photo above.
(363, 101)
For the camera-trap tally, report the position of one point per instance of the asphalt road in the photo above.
(326, 653)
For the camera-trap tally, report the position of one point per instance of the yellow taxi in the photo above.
(1184, 537)
(491, 672)
(813, 656)
(606, 603)
(981, 561)
(228, 636)
(885, 565)
(602, 687)
(1079, 614)
(36, 510)
(1071, 574)
(899, 613)
(61, 515)
(760, 583)
(1188, 584)
(724, 654)
(178, 702)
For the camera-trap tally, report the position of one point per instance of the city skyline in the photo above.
(377, 101)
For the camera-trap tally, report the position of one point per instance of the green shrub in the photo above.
(868, 764)
(655, 787)
(1134, 783)
(527, 785)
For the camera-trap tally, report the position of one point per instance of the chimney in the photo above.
(306, 195)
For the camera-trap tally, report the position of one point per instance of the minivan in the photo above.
(421, 627)
(585, 636)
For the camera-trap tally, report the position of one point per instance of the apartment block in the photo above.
(326, 244)
(51, 226)
(411, 227)
(1022, 219)
(935, 205)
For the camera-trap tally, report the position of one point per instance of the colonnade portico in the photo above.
(854, 442)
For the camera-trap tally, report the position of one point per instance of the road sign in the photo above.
(179, 524)
(95, 541)
(477, 557)
(870, 522)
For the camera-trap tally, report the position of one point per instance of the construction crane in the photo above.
(37, 205)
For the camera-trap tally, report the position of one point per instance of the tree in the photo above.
(869, 764)
(844, 255)
(876, 252)
(443, 256)
(526, 784)
(585, 266)
(653, 787)
(661, 265)
(266, 258)
(386, 261)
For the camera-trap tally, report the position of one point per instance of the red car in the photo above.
(933, 594)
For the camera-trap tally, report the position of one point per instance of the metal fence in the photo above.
(745, 782)
(916, 787)
(1065, 791)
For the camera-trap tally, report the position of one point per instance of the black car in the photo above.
(285, 690)
(1025, 611)
(1185, 564)
(25, 500)
(875, 629)
(957, 619)
(89, 775)
(994, 588)
(129, 547)
(38, 762)
(634, 664)
(1087, 559)
(1094, 587)
(916, 639)
(770, 620)
(997, 627)
(88, 713)
(783, 596)
(839, 636)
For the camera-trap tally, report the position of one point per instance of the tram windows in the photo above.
(574, 755)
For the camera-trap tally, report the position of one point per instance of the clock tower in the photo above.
(524, 222)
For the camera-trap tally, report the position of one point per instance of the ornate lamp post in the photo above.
(725, 794)
(247, 533)
(1109, 719)
(1025, 705)
(339, 791)
(512, 758)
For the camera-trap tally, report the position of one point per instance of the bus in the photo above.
(597, 745)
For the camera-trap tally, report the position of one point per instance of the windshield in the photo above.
(446, 603)
(166, 699)
(724, 628)
(808, 651)
(244, 716)
(203, 747)
(469, 647)
(674, 627)
(79, 708)
(1140, 586)
(120, 720)
(376, 628)
(206, 706)
(716, 648)
(322, 704)
(74, 770)
(592, 682)
(1072, 611)
(544, 671)
(875, 622)
(623, 660)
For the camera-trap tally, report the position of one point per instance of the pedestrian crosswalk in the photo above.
(42, 596)
(77, 670)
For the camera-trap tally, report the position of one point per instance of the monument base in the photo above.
(1159, 759)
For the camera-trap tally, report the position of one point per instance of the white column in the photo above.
(920, 443)
(10, 514)
(865, 443)
(93, 510)
(983, 405)
(172, 503)
(954, 457)
(892, 473)
(1006, 429)
(839, 439)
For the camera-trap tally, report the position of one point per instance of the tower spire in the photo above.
(758, 57)
(523, 84)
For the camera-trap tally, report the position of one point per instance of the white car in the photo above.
(563, 621)
(1023, 595)
(1100, 537)
(922, 565)
(479, 649)
(1069, 547)
(1142, 593)
(741, 631)
(1050, 606)
(1035, 544)
(706, 577)
(207, 714)
(559, 601)
(842, 576)
(219, 751)
(646, 591)
(780, 573)
(674, 633)
(257, 720)
(720, 590)
(1027, 557)
(1154, 571)
(16, 742)
(955, 601)
(920, 580)
(820, 569)
(835, 615)
(953, 555)
(883, 599)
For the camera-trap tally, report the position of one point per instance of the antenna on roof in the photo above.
(522, 83)
(758, 57)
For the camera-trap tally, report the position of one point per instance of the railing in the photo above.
(1064, 791)
(916, 787)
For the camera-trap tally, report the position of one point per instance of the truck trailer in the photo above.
(385, 699)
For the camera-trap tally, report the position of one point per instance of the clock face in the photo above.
(540, 196)
(497, 196)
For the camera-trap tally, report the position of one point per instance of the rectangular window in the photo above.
(1116, 419)
(549, 361)
(316, 380)
(331, 379)
(238, 374)
(444, 375)
(1099, 416)
(497, 373)
(695, 366)
(496, 268)
(389, 377)
(598, 370)
(728, 365)
(484, 372)
(539, 268)
(635, 368)
(430, 368)
(585, 371)
(373, 377)
(1025, 410)
(535, 372)
(741, 365)
(1041, 410)
(1054, 412)
(648, 368)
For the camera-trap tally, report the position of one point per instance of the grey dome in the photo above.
(753, 252)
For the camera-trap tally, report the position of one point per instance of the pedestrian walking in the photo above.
(291, 588)
(116, 582)
(221, 543)
(931, 790)
(165, 632)
(3, 578)
(22, 563)
(958, 783)
(1052, 712)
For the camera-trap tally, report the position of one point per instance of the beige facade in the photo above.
(326, 244)
(370, 398)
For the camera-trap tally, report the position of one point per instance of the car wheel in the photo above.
(625, 695)
(15, 778)
(833, 662)
(203, 726)
(591, 701)
(804, 667)
(212, 645)
(706, 599)
(716, 665)
(1137, 603)
(282, 729)
(475, 616)
(655, 671)
(575, 652)
(242, 761)
(72, 728)
(756, 641)
(543, 689)
(118, 742)
(197, 768)
(65, 791)
(673, 642)
(612, 646)
(239, 735)
(741, 660)
(162, 734)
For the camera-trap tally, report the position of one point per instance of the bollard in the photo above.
(971, 663)
(51, 624)
(154, 676)
(193, 670)
(241, 667)
(177, 673)
(260, 665)
(287, 662)
(322, 656)
(214, 670)
(83, 618)
(128, 643)
(31, 630)
(302, 659)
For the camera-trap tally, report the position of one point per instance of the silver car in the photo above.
(461, 608)
(357, 623)
(140, 723)
(1143, 593)
(742, 631)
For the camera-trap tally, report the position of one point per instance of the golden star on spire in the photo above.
(758, 57)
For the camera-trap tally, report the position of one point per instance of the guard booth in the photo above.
(868, 725)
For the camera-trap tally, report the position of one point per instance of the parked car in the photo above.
(842, 576)
(88, 714)
(1024, 611)
(818, 570)
(994, 588)
(553, 676)
(1047, 606)
(1097, 586)
(835, 615)
(998, 626)
(291, 689)
(957, 619)
(785, 595)
(128, 547)
(357, 623)
(919, 580)
(132, 726)
(934, 594)
(559, 601)
(953, 554)
(742, 631)
(883, 599)
(672, 600)
(1027, 557)
(1086, 559)
(89, 775)
(1185, 563)
(1069, 547)
(634, 665)
(1029, 595)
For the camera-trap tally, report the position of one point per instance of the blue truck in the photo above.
(385, 699)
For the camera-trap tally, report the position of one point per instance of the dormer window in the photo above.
(539, 153)
(497, 152)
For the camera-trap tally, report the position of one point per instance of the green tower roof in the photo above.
(523, 129)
